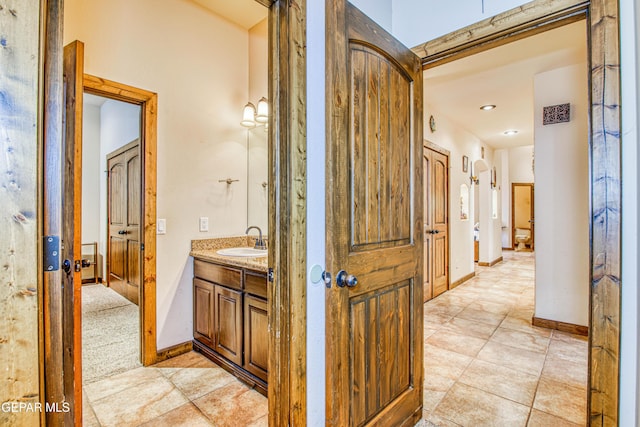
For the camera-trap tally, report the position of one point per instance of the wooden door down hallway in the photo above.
(123, 249)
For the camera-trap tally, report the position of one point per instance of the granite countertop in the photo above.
(205, 250)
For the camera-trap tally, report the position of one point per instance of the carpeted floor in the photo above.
(110, 333)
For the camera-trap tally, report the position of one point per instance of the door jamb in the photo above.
(603, 26)
(148, 102)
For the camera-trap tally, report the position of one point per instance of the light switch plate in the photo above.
(204, 223)
(161, 226)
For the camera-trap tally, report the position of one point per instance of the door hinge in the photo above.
(51, 254)
(270, 275)
(142, 246)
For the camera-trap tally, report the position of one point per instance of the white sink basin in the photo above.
(246, 252)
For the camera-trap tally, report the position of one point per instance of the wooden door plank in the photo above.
(72, 228)
(386, 206)
(359, 151)
(372, 149)
(52, 206)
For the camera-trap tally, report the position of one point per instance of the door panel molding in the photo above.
(605, 249)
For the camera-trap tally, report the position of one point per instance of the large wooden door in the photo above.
(374, 225)
(436, 223)
(123, 252)
(72, 231)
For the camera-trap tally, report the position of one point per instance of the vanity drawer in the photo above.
(255, 283)
(225, 276)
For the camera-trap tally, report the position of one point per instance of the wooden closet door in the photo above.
(440, 222)
(124, 192)
(436, 223)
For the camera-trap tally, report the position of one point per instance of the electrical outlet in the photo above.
(161, 226)
(204, 223)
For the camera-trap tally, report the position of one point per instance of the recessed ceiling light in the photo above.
(510, 132)
(488, 107)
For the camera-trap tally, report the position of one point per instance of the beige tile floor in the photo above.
(485, 365)
(188, 390)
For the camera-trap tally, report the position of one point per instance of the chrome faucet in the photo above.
(260, 243)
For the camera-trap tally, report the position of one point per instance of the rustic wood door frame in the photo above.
(288, 210)
(603, 28)
(148, 102)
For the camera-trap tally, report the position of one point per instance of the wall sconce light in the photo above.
(474, 179)
(252, 116)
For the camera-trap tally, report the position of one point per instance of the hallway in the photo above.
(486, 365)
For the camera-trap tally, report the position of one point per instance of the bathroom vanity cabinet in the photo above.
(230, 324)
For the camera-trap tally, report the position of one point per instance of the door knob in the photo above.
(344, 279)
(122, 232)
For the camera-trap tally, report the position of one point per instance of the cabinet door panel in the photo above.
(228, 323)
(256, 336)
(203, 311)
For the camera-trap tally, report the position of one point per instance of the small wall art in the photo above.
(556, 114)
(465, 164)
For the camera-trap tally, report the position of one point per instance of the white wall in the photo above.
(197, 63)
(629, 351)
(91, 174)
(378, 10)
(520, 164)
(562, 198)
(316, 186)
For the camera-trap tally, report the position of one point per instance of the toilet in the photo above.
(523, 238)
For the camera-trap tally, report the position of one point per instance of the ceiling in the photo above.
(502, 76)
(245, 13)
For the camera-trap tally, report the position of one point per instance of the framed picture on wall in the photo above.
(465, 164)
